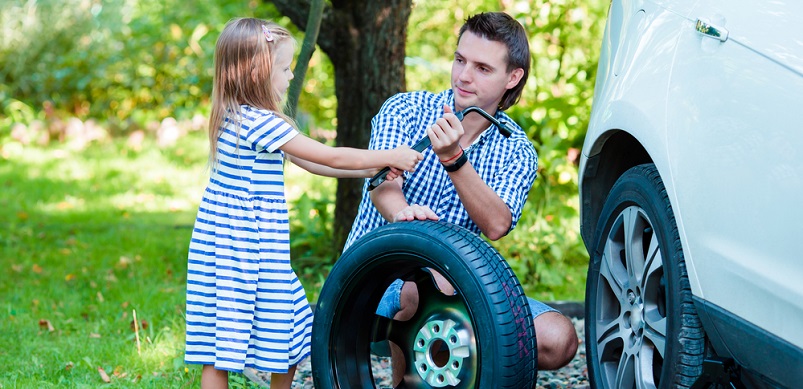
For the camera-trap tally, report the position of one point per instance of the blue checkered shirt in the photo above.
(507, 165)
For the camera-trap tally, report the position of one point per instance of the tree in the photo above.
(307, 48)
(365, 40)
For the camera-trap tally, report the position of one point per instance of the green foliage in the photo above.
(545, 249)
(317, 105)
(122, 67)
(127, 62)
(554, 111)
(89, 237)
(96, 224)
(98, 202)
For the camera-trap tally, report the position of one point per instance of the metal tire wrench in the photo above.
(422, 144)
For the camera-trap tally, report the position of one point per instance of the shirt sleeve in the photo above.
(270, 132)
(513, 183)
(389, 128)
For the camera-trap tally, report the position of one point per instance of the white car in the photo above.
(691, 189)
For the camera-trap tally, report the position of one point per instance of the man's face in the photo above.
(479, 73)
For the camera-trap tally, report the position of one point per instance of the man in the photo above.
(473, 176)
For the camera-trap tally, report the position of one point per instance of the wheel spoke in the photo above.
(447, 312)
(613, 277)
(380, 328)
(380, 333)
(633, 236)
(610, 345)
(612, 272)
(638, 269)
(625, 372)
(655, 331)
(612, 332)
(435, 341)
(644, 366)
(655, 262)
(654, 319)
(425, 283)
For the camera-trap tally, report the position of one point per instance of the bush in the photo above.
(111, 68)
(126, 63)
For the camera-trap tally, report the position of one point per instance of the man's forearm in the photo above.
(485, 208)
(388, 199)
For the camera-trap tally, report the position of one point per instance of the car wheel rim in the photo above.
(438, 337)
(631, 304)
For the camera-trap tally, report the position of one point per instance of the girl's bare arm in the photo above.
(347, 158)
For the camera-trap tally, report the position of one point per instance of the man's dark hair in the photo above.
(501, 27)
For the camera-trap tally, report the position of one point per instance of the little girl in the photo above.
(245, 305)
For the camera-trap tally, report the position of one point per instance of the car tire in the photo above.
(486, 325)
(642, 330)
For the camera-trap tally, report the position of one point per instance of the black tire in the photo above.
(487, 324)
(642, 330)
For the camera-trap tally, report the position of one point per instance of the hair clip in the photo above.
(268, 35)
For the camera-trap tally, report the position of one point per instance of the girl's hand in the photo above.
(445, 134)
(405, 158)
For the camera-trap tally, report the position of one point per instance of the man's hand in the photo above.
(415, 212)
(445, 134)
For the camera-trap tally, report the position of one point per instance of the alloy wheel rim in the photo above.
(630, 322)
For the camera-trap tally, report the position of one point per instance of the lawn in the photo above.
(89, 238)
(92, 234)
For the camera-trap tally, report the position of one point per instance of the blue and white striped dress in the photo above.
(245, 305)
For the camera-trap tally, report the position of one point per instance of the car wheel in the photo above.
(642, 330)
(481, 336)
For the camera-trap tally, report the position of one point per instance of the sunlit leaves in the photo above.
(565, 35)
(112, 59)
(131, 64)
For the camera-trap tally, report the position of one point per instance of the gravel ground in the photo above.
(574, 375)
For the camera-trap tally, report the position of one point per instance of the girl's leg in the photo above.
(283, 380)
(212, 378)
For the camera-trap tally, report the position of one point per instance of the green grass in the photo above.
(88, 236)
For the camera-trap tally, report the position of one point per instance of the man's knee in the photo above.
(408, 301)
(556, 339)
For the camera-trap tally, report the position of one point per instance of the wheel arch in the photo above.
(613, 153)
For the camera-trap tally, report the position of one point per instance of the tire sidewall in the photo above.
(636, 188)
(428, 244)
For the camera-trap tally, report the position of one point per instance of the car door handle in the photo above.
(708, 29)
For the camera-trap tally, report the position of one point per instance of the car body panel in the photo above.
(729, 118)
(719, 119)
(627, 81)
(768, 28)
(634, 85)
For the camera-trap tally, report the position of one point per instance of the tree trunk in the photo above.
(302, 62)
(365, 40)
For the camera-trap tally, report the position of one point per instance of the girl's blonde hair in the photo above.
(244, 57)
